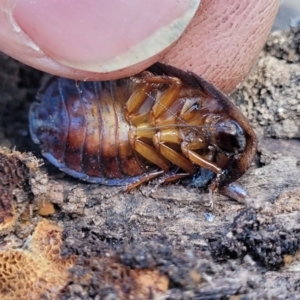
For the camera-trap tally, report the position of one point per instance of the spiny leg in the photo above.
(172, 136)
(142, 91)
(198, 159)
(170, 177)
(188, 158)
(145, 178)
(187, 149)
(167, 178)
(167, 98)
(148, 152)
(134, 103)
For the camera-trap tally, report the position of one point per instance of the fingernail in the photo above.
(103, 36)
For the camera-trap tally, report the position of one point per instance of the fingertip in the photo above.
(103, 36)
(224, 40)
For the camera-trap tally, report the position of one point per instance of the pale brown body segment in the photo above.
(163, 121)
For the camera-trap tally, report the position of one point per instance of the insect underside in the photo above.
(162, 123)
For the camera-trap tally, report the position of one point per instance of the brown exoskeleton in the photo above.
(162, 122)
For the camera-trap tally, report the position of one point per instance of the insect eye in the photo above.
(230, 136)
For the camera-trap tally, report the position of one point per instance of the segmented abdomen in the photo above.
(82, 129)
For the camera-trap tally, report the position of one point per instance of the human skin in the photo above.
(222, 42)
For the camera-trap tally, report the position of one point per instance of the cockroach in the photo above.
(163, 122)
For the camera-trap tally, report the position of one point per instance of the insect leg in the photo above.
(136, 100)
(143, 179)
(198, 159)
(147, 151)
(172, 136)
(174, 177)
(168, 97)
(141, 93)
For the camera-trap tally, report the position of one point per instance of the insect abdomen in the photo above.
(83, 131)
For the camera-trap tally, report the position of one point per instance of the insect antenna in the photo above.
(181, 126)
